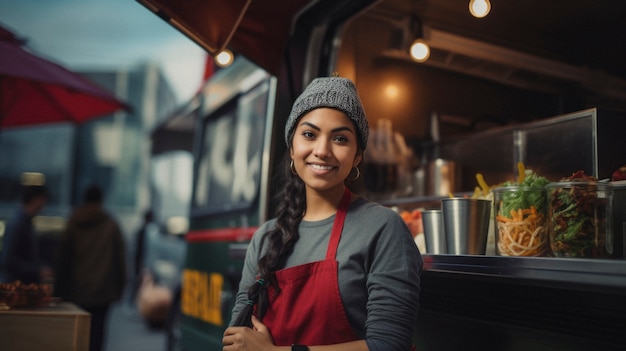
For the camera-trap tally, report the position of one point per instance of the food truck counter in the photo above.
(583, 274)
(512, 303)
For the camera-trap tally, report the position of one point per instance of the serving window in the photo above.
(228, 169)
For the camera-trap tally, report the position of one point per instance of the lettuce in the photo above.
(525, 197)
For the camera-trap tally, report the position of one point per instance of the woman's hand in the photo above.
(257, 338)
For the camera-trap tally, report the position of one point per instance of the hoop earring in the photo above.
(293, 169)
(358, 174)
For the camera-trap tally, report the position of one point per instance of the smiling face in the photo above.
(324, 149)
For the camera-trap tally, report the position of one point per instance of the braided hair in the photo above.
(280, 243)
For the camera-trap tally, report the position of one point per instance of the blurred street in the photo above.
(127, 332)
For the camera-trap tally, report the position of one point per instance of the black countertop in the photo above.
(584, 274)
(521, 303)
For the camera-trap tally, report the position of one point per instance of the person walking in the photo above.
(19, 258)
(91, 268)
(139, 255)
(333, 271)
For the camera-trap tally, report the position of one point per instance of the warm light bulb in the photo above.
(479, 8)
(32, 178)
(224, 58)
(420, 52)
(392, 91)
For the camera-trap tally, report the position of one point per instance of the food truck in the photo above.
(495, 92)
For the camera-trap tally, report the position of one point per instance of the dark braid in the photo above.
(280, 244)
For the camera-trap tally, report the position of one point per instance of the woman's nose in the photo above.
(322, 148)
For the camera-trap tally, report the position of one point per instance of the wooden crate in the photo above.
(62, 327)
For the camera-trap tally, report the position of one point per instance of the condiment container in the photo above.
(466, 224)
(434, 234)
(580, 219)
(521, 221)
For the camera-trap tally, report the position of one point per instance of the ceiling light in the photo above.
(414, 34)
(479, 8)
(420, 52)
(224, 58)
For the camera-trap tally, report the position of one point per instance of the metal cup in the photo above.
(434, 235)
(466, 224)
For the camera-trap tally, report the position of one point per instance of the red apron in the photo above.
(308, 310)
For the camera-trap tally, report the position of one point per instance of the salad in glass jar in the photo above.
(521, 213)
(579, 209)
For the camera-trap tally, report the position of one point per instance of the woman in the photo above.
(333, 271)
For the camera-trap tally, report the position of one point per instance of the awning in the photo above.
(176, 132)
(256, 29)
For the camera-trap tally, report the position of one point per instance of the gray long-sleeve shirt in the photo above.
(379, 271)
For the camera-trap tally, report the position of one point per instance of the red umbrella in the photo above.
(35, 91)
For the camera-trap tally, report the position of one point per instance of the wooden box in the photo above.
(62, 327)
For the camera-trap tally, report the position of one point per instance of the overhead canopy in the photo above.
(176, 132)
(256, 29)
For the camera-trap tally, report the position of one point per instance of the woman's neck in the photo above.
(321, 205)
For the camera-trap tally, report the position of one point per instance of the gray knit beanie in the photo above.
(335, 92)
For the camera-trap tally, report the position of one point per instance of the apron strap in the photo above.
(335, 234)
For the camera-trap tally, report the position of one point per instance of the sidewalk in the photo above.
(127, 332)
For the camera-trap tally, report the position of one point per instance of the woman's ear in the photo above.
(358, 158)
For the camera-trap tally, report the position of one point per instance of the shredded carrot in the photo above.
(524, 234)
(521, 170)
(504, 219)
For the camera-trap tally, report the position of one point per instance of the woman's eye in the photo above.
(341, 139)
(308, 134)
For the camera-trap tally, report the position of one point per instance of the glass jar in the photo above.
(520, 221)
(580, 219)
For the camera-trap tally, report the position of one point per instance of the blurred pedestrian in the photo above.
(91, 268)
(140, 240)
(19, 258)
